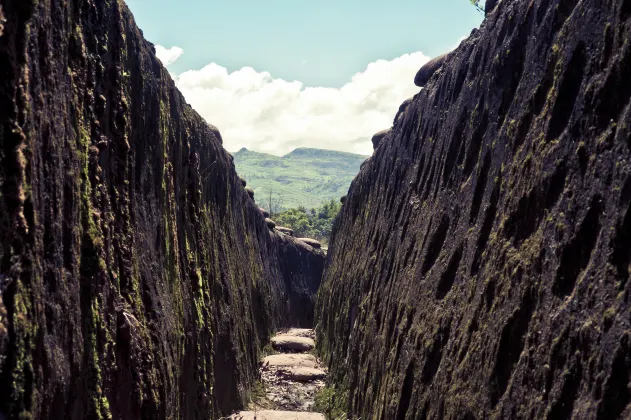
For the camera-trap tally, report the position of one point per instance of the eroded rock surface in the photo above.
(427, 71)
(379, 137)
(137, 278)
(480, 265)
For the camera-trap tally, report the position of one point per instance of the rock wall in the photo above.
(302, 267)
(480, 264)
(138, 278)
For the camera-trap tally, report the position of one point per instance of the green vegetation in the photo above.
(304, 177)
(476, 4)
(331, 403)
(268, 350)
(314, 223)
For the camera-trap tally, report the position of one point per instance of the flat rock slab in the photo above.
(276, 415)
(289, 342)
(300, 332)
(302, 374)
(291, 360)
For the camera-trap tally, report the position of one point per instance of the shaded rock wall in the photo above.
(138, 279)
(302, 267)
(480, 265)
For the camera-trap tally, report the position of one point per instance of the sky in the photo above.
(277, 75)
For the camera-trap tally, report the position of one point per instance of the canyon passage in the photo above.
(478, 267)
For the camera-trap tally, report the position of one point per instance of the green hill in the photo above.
(305, 177)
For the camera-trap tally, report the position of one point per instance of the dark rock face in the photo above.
(137, 278)
(302, 268)
(286, 231)
(489, 5)
(427, 71)
(480, 265)
(311, 242)
(402, 108)
(379, 137)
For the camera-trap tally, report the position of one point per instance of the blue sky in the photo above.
(321, 43)
(244, 54)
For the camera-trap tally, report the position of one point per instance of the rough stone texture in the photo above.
(489, 5)
(427, 71)
(303, 374)
(291, 360)
(291, 383)
(402, 108)
(250, 191)
(311, 242)
(301, 267)
(480, 265)
(270, 223)
(286, 231)
(288, 342)
(264, 212)
(276, 415)
(379, 137)
(137, 278)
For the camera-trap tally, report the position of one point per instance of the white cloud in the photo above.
(267, 114)
(168, 56)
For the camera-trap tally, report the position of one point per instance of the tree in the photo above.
(313, 223)
(274, 202)
(476, 4)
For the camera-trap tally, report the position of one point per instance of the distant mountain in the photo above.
(305, 177)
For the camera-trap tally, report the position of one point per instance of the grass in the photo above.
(304, 177)
(331, 402)
(268, 350)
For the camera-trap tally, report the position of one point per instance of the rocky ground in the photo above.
(290, 378)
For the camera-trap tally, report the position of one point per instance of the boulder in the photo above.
(243, 181)
(276, 415)
(270, 223)
(378, 137)
(343, 199)
(215, 131)
(290, 360)
(264, 212)
(311, 242)
(288, 342)
(286, 231)
(303, 374)
(425, 73)
(250, 192)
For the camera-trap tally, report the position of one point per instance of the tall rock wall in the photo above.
(301, 267)
(137, 277)
(480, 265)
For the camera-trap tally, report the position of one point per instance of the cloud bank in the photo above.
(168, 56)
(255, 110)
